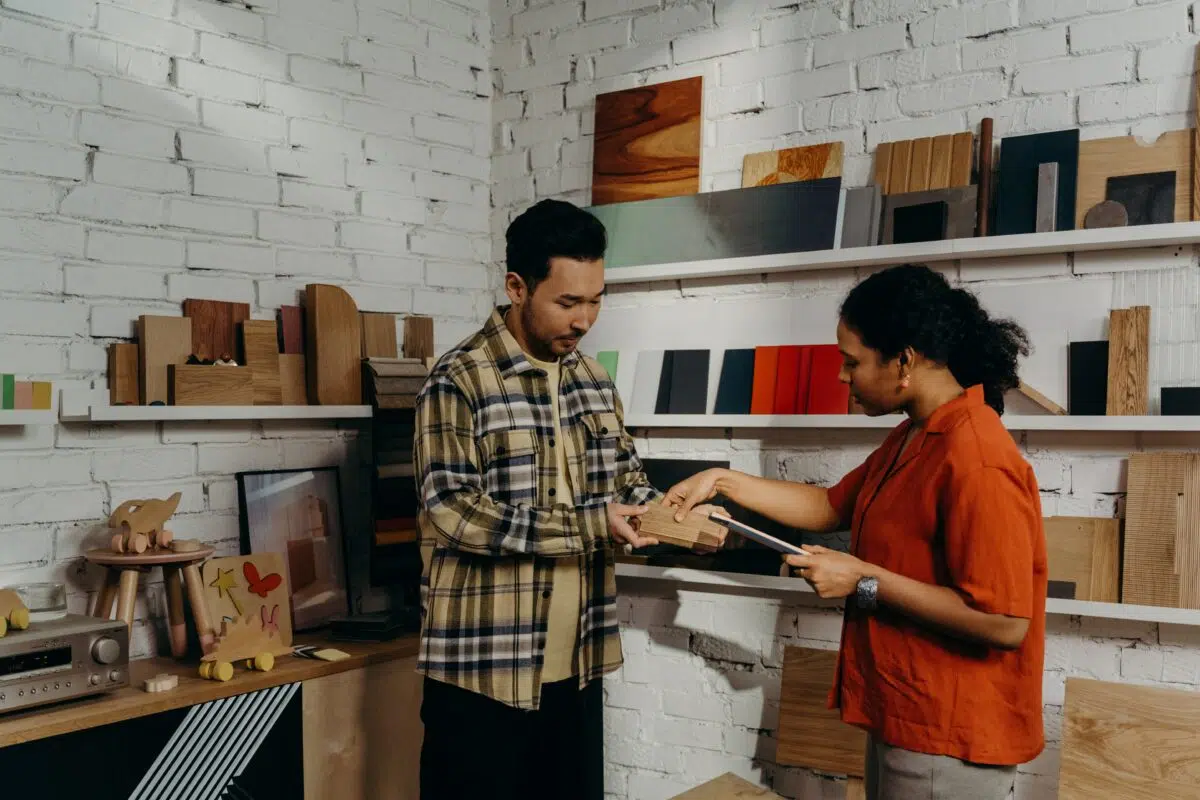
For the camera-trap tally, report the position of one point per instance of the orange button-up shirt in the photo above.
(959, 508)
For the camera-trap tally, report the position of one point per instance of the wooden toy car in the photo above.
(138, 524)
(241, 640)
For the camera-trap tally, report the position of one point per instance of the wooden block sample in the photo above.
(293, 387)
(647, 142)
(260, 344)
(1037, 397)
(1125, 742)
(42, 391)
(255, 586)
(793, 164)
(1196, 141)
(195, 385)
(1128, 361)
(1102, 159)
(334, 346)
(856, 789)
(215, 328)
(1162, 531)
(1107, 214)
(1087, 379)
(23, 395)
(696, 530)
(1085, 552)
(291, 330)
(918, 165)
(810, 734)
(123, 374)
(727, 787)
(418, 337)
(958, 216)
(379, 335)
(162, 342)
(1017, 180)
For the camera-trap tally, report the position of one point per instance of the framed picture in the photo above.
(298, 513)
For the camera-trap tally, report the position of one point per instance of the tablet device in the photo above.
(756, 535)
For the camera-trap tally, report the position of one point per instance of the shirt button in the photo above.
(546, 594)
(603, 431)
(553, 492)
(552, 443)
(500, 451)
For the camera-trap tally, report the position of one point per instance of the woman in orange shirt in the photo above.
(943, 640)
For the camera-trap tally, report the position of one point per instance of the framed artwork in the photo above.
(298, 514)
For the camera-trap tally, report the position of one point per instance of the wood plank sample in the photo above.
(647, 142)
(260, 344)
(123, 374)
(696, 530)
(1158, 520)
(1196, 140)
(919, 165)
(1128, 361)
(727, 787)
(984, 206)
(293, 386)
(418, 337)
(291, 329)
(1101, 159)
(162, 341)
(1086, 553)
(793, 164)
(1124, 742)
(810, 734)
(215, 328)
(1016, 183)
(1040, 399)
(215, 385)
(1087, 378)
(379, 335)
(856, 789)
(940, 161)
(334, 347)
(901, 166)
(961, 156)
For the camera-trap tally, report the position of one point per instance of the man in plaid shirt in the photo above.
(527, 479)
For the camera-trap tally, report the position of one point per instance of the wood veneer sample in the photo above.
(214, 385)
(810, 734)
(334, 366)
(1162, 530)
(418, 337)
(647, 142)
(1040, 399)
(293, 385)
(123, 374)
(793, 164)
(291, 330)
(1086, 553)
(1101, 159)
(1128, 361)
(379, 335)
(696, 530)
(215, 327)
(918, 165)
(260, 343)
(162, 341)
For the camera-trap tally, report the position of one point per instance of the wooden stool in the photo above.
(121, 584)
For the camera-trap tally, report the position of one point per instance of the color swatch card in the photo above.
(645, 381)
(736, 384)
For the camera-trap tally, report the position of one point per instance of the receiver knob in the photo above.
(106, 650)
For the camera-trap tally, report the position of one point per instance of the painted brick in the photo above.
(383, 59)
(960, 92)
(764, 63)
(443, 131)
(383, 238)
(21, 355)
(445, 304)
(547, 18)
(474, 109)
(455, 48)
(232, 290)
(336, 14)
(1169, 60)
(328, 168)
(145, 31)
(231, 257)
(852, 109)
(242, 56)
(674, 20)
(28, 275)
(1117, 103)
(1140, 664)
(971, 21)
(455, 162)
(217, 83)
(211, 217)
(122, 248)
(155, 8)
(95, 280)
(598, 9)
(386, 299)
(157, 104)
(391, 206)
(103, 55)
(294, 36)
(702, 46)
(322, 74)
(50, 80)
(34, 40)
(220, 17)
(35, 318)
(225, 459)
(380, 176)
(859, 44)
(455, 276)
(1027, 115)
(1015, 48)
(235, 186)
(458, 77)
(322, 136)
(378, 118)
(536, 76)
(274, 293)
(80, 13)
(388, 269)
(297, 102)
(205, 148)
(244, 123)
(634, 60)
(798, 87)
(411, 97)
(444, 15)
(278, 226)
(45, 506)
(317, 263)
(139, 173)
(1120, 30)
(1038, 11)
(33, 196)
(1059, 75)
(107, 204)
(767, 125)
(39, 119)
(317, 198)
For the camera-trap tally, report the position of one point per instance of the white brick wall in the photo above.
(700, 690)
(160, 150)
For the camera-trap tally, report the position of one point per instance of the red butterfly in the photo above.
(260, 586)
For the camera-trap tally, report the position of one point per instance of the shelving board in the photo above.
(24, 417)
(1022, 244)
(215, 413)
(701, 580)
(1014, 422)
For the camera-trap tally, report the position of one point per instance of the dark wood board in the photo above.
(418, 337)
(215, 328)
(647, 142)
(291, 330)
(334, 354)
(811, 734)
(123, 374)
(1017, 180)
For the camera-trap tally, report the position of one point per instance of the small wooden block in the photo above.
(22, 395)
(186, 545)
(379, 335)
(162, 342)
(292, 382)
(696, 530)
(42, 391)
(334, 346)
(291, 330)
(215, 327)
(1039, 398)
(418, 337)
(162, 682)
(260, 343)
(1128, 361)
(193, 385)
(727, 787)
(1085, 552)
(123, 374)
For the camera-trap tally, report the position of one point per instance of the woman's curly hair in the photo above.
(913, 306)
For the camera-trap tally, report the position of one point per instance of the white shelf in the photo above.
(24, 417)
(701, 580)
(214, 413)
(1014, 422)
(1138, 236)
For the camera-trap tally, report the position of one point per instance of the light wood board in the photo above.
(696, 530)
(1085, 551)
(1128, 361)
(1124, 742)
(810, 734)
(1153, 518)
(256, 585)
(215, 327)
(793, 164)
(379, 335)
(1040, 399)
(727, 787)
(194, 385)
(856, 789)
(293, 386)
(260, 343)
(334, 346)
(162, 341)
(418, 337)
(918, 165)
(1101, 159)
(123, 374)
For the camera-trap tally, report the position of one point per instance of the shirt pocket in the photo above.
(602, 453)
(510, 466)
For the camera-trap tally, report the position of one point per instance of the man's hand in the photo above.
(687, 493)
(622, 524)
(831, 573)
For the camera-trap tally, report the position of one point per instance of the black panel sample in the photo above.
(921, 223)
(1063, 590)
(1180, 401)
(689, 382)
(1149, 198)
(1087, 381)
(1017, 182)
(736, 385)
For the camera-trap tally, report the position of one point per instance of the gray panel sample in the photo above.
(960, 202)
(1046, 213)
(864, 210)
(759, 220)
(645, 381)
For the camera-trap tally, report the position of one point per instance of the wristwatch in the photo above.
(866, 593)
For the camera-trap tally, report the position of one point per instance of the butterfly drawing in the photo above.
(260, 586)
(270, 624)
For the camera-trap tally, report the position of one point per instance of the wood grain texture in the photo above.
(293, 385)
(418, 337)
(1040, 399)
(162, 341)
(1196, 138)
(194, 385)
(901, 164)
(940, 161)
(727, 787)
(856, 789)
(1123, 742)
(123, 374)
(961, 158)
(922, 159)
(233, 591)
(883, 165)
(793, 164)
(379, 335)
(334, 346)
(352, 722)
(917, 165)
(1085, 551)
(647, 142)
(1187, 538)
(215, 327)
(260, 344)
(695, 531)
(984, 206)
(1101, 159)
(291, 329)
(810, 734)
(1128, 361)
(1152, 520)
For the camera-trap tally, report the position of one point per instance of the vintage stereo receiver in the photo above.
(62, 659)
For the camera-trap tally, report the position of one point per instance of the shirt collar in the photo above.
(507, 354)
(945, 415)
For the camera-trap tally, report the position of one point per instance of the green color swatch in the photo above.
(8, 389)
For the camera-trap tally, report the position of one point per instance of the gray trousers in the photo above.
(895, 774)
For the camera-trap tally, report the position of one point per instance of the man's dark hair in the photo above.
(552, 228)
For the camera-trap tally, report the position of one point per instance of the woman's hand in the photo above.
(831, 573)
(697, 489)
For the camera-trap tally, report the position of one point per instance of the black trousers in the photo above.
(476, 747)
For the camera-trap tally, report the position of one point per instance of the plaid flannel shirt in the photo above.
(491, 526)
